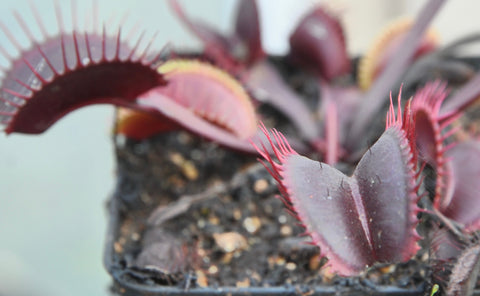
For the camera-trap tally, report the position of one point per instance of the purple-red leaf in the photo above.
(373, 100)
(267, 86)
(334, 126)
(463, 97)
(359, 220)
(247, 29)
(386, 43)
(243, 45)
(461, 202)
(318, 43)
(431, 131)
(68, 72)
(211, 93)
(464, 274)
(205, 100)
(456, 258)
(156, 101)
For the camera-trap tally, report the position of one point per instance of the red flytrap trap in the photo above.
(373, 181)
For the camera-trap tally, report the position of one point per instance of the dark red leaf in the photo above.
(461, 202)
(464, 273)
(374, 99)
(241, 47)
(334, 126)
(267, 86)
(463, 97)
(211, 93)
(247, 29)
(318, 43)
(205, 100)
(70, 71)
(431, 131)
(384, 46)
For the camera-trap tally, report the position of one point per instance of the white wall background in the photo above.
(53, 186)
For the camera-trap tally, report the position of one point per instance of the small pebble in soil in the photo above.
(213, 269)
(404, 281)
(237, 214)
(230, 241)
(187, 167)
(327, 274)
(291, 266)
(245, 283)
(201, 224)
(388, 268)
(201, 252)
(135, 236)
(122, 241)
(214, 220)
(202, 280)
(118, 247)
(260, 186)
(255, 277)
(375, 277)
(286, 230)
(314, 262)
(227, 258)
(252, 224)
(184, 138)
(271, 261)
(280, 261)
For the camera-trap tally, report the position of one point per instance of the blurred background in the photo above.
(53, 186)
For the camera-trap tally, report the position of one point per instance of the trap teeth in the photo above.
(69, 70)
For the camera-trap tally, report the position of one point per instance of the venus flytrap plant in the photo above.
(386, 178)
(317, 193)
(359, 220)
(327, 52)
(432, 131)
(464, 272)
(455, 194)
(456, 261)
(455, 164)
(59, 74)
(460, 201)
(319, 45)
(241, 54)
